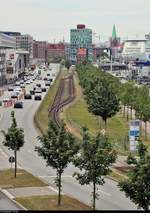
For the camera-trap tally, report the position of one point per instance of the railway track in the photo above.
(59, 103)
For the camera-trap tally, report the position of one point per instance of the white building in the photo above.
(5, 43)
(16, 62)
(136, 50)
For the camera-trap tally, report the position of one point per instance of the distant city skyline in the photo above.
(52, 20)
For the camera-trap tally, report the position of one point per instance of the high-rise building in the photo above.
(5, 43)
(80, 38)
(25, 42)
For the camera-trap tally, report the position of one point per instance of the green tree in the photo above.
(14, 138)
(103, 101)
(137, 186)
(57, 148)
(96, 156)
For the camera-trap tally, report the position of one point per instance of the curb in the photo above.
(11, 197)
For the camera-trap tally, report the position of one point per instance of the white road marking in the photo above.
(8, 194)
(104, 193)
(54, 176)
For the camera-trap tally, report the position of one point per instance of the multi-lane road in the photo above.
(110, 196)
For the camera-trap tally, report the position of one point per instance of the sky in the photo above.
(51, 20)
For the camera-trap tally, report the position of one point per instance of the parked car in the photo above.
(37, 97)
(28, 96)
(18, 104)
(48, 74)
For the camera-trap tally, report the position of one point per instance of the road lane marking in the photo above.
(7, 194)
(104, 192)
(54, 176)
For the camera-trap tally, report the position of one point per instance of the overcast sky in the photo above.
(52, 19)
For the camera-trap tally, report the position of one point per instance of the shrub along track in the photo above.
(59, 101)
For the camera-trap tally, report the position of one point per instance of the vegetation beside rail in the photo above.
(41, 117)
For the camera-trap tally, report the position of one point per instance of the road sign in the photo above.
(11, 159)
(134, 133)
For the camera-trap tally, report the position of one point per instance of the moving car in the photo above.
(32, 92)
(10, 89)
(38, 85)
(38, 90)
(14, 95)
(37, 97)
(28, 96)
(47, 83)
(43, 89)
(18, 104)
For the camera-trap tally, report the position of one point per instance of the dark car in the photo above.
(38, 85)
(37, 97)
(14, 96)
(28, 96)
(43, 89)
(18, 104)
(45, 79)
(32, 92)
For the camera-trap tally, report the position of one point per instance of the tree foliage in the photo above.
(57, 148)
(14, 138)
(96, 157)
(137, 186)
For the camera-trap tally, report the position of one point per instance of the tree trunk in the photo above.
(124, 108)
(15, 163)
(127, 113)
(105, 122)
(94, 195)
(59, 189)
(145, 129)
(131, 113)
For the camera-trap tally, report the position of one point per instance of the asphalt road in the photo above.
(7, 204)
(110, 196)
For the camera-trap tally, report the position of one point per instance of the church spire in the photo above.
(114, 34)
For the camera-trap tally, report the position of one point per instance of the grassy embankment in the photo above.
(49, 202)
(77, 115)
(41, 117)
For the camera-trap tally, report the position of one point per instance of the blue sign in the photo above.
(134, 133)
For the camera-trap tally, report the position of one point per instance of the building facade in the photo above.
(40, 51)
(6, 42)
(136, 50)
(80, 38)
(55, 52)
(25, 42)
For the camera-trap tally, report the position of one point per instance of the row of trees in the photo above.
(137, 99)
(104, 95)
(93, 157)
(100, 90)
